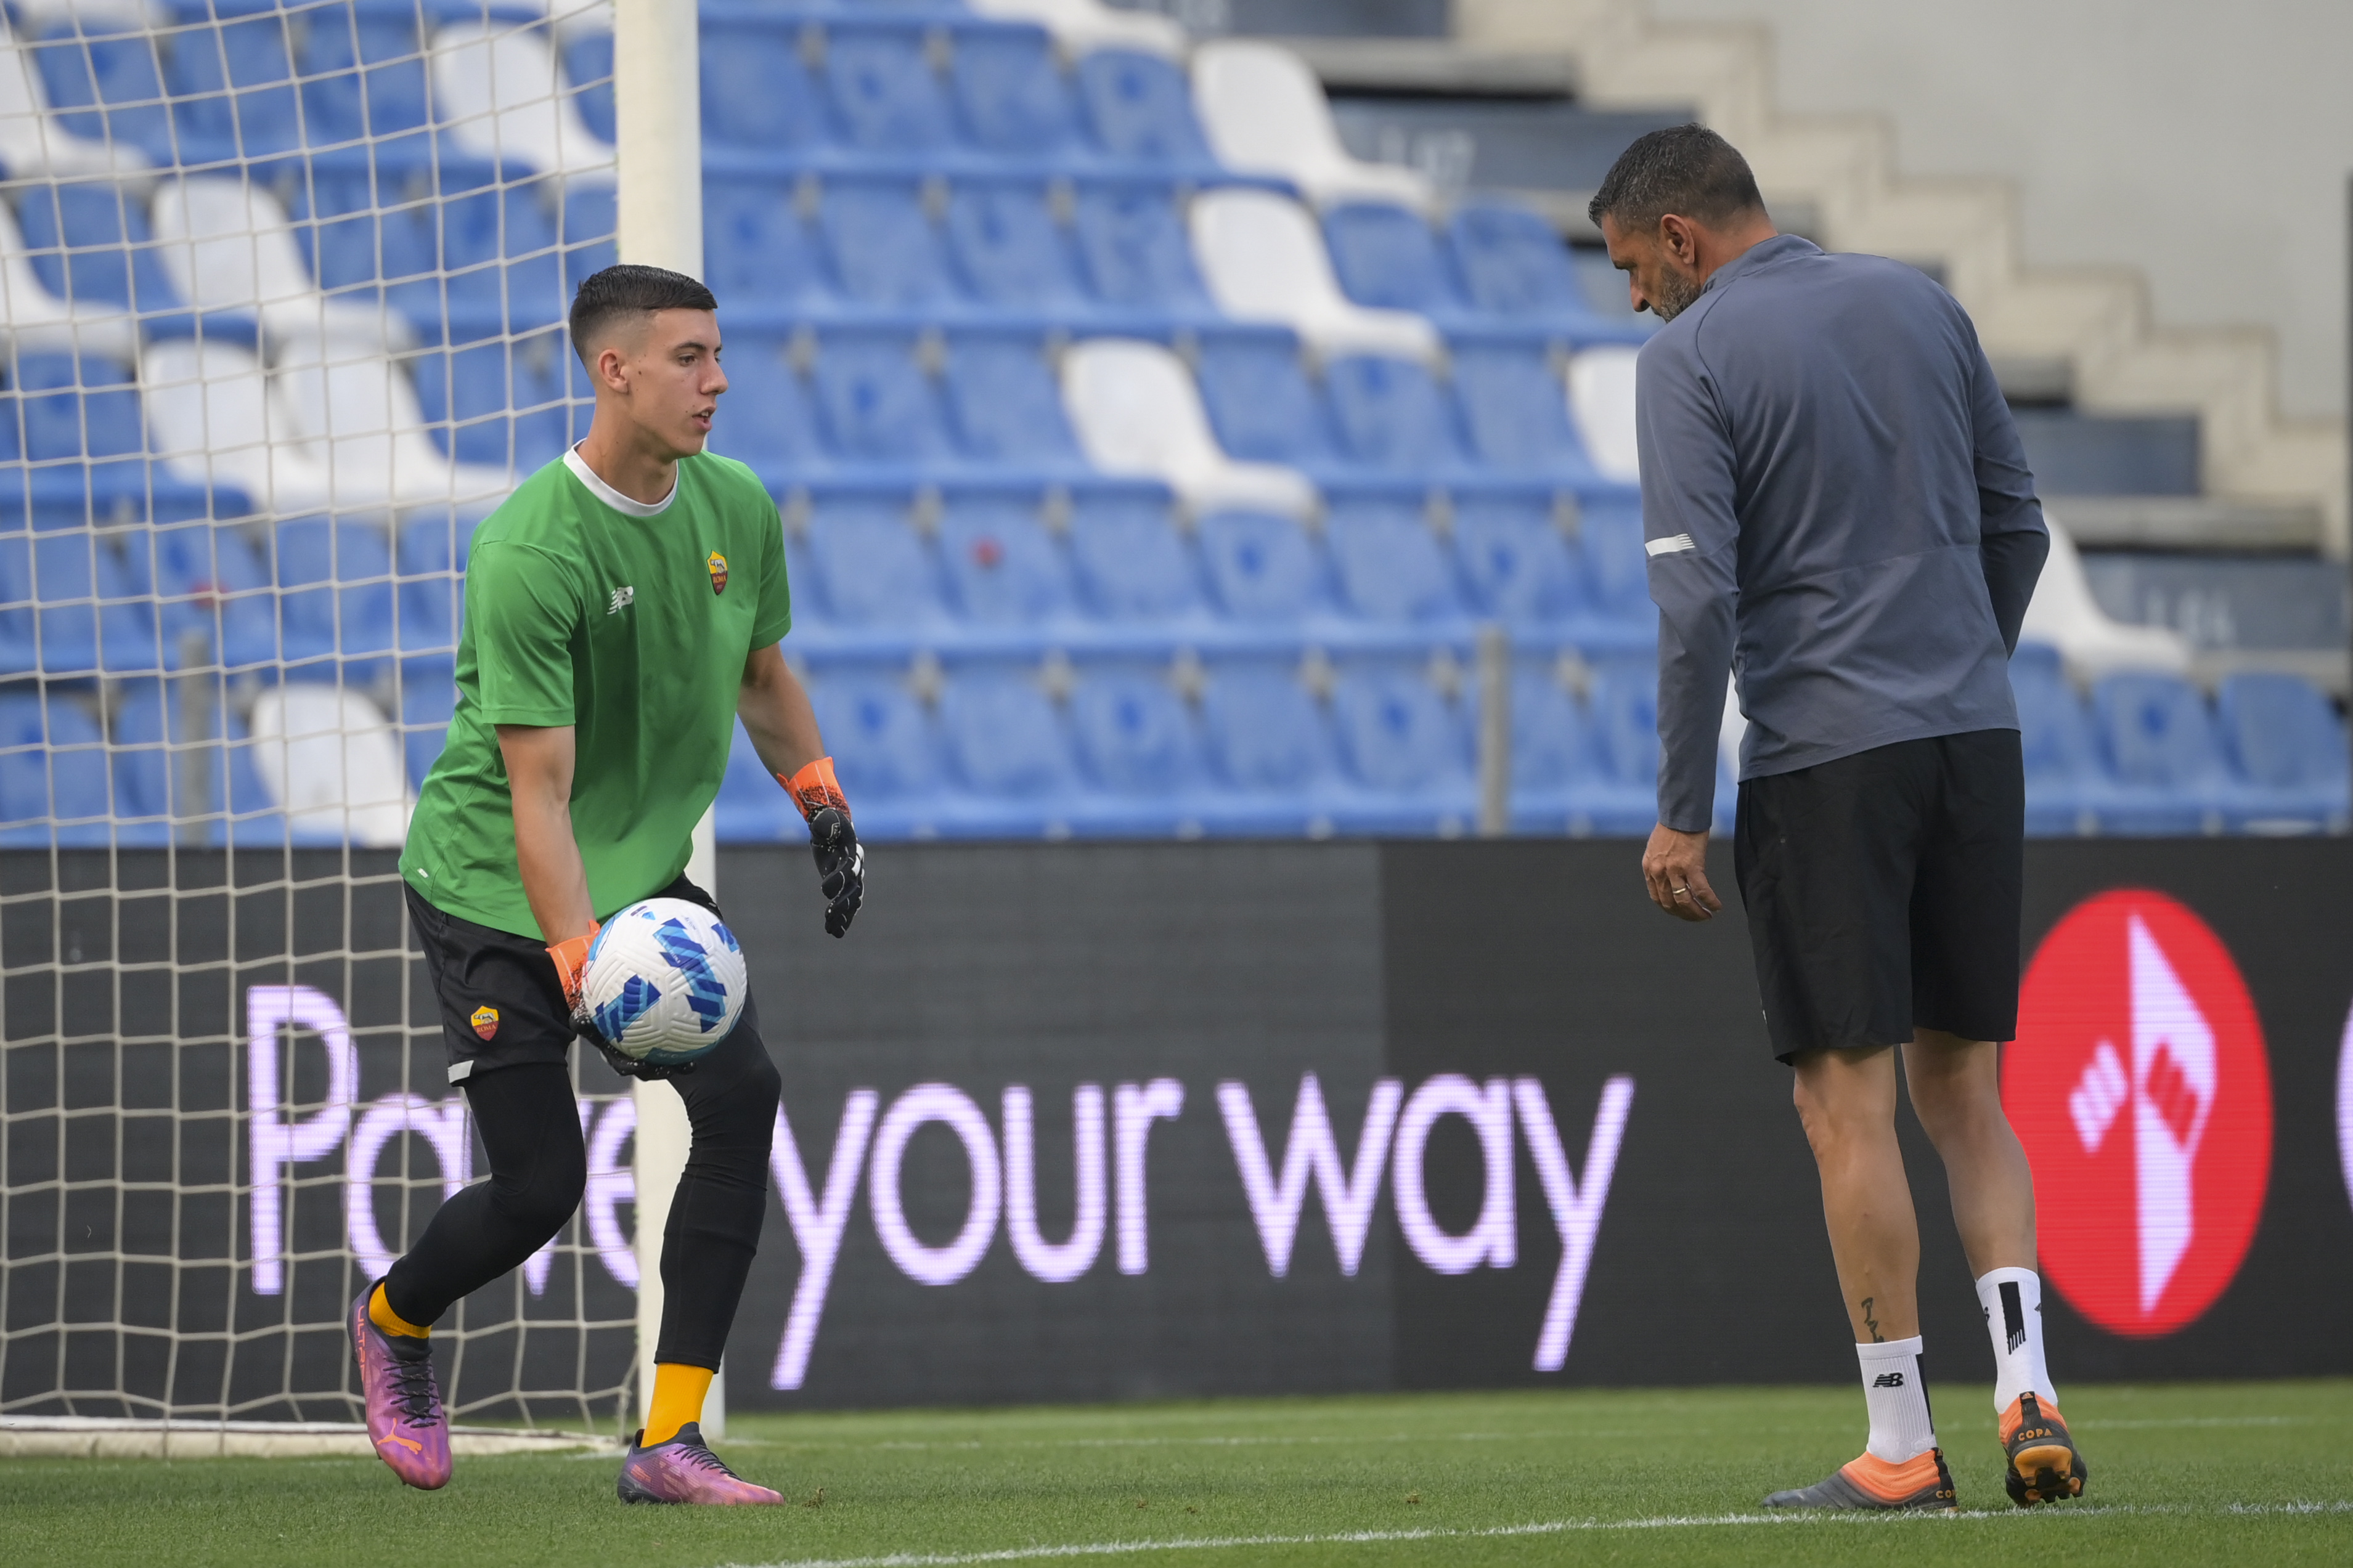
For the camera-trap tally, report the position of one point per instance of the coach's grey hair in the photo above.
(1685, 169)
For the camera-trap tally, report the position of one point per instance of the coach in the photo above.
(1839, 517)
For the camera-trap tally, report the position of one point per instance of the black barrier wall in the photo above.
(1108, 1122)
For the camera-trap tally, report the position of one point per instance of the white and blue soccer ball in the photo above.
(665, 981)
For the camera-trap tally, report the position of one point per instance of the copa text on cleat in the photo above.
(1920, 1484)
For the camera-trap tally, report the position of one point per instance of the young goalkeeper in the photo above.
(623, 608)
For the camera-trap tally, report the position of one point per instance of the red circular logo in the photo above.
(2139, 1087)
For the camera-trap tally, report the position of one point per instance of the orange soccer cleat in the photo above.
(1920, 1483)
(2043, 1464)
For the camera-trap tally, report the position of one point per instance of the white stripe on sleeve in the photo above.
(1673, 544)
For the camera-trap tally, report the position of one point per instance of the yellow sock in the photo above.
(381, 1314)
(678, 1399)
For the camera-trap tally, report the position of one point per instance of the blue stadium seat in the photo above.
(873, 567)
(1514, 267)
(1389, 562)
(885, 252)
(1516, 411)
(2063, 780)
(429, 696)
(757, 93)
(751, 809)
(1266, 737)
(432, 562)
(508, 403)
(1404, 741)
(1007, 743)
(756, 248)
(106, 89)
(152, 781)
(1557, 785)
(766, 416)
(68, 606)
(881, 739)
(337, 583)
(363, 73)
(1393, 414)
(1132, 241)
(90, 243)
(1009, 250)
(1006, 404)
(1259, 401)
(77, 408)
(886, 99)
(2162, 754)
(878, 404)
(1263, 568)
(232, 86)
(1389, 257)
(2289, 748)
(1134, 732)
(1610, 546)
(53, 763)
(212, 581)
(1624, 704)
(589, 68)
(1131, 563)
(1519, 567)
(499, 246)
(1003, 567)
(1140, 107)
(591, 222)
(1013, 97)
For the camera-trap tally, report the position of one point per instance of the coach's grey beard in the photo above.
(1675, 292)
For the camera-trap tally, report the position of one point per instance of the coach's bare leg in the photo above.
(1847, 1101)
(1956, 1091)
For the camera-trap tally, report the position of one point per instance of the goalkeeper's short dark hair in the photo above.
(628, 290)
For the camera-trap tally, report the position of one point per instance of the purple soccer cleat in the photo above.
(684, 1471)
(405, 1420)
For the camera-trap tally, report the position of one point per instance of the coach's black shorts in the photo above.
(501, 1001)
(1883, 893)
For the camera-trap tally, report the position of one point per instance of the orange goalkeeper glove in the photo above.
(840, 859)
(571, 958)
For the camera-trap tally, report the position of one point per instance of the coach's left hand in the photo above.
(1675, 866)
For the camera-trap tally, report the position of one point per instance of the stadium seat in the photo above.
(1003, 568)
(1081, 26)
(498, 94)
(102, 100)
(1268, 739)
(1137, 413)
(1011, 253)
(1140, 107)
(877, 404)
(1266, 114)
(328, 760)
(431, 559)
(1389, 564)
(2064, 615)
(1404, 745)
(1134, 736)
(1387, 258)
(766, 416)
(363, 74)
(55, 785)
(216, 797)
(1009, 747)
(228, 246)
(232, 87)
(2063, 778)
(881, 737)
(1393, 415)
(507, 404)
(1005, 404)
(757, 93)
(1132, 242)
(1516, 413)
(1519, 567)
(1557, 784)
(1263, 568)
(359, 418)
(2289, 747)
(1133, 565)
(872, 566)
(1263, 258)
(336, 588)
(499, 249)
(1514, 267)
(886, 99)
(2164, 761)
(213, 583)
(1260, 401)
(1012, 97)
(39, 319)
(1601, 395)
(1623, 711)
(70, 607)
(1616, 567)
(92, 245)
(74, 408)
(756, 248)
(427, 703)
(751, 809)
(886, 253)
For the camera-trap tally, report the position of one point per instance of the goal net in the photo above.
(284, 285)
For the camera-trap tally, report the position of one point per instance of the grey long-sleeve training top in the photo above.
(1836, 509)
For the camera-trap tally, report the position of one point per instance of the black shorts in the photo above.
(1883, 893)
(501, 1004)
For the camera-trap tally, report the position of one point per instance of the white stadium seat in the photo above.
(358, 417)
(1601, 404)
(1079, 26)
(228, 247)
(37, 321)
(328, 760)
(1137, 412)
(498, 94)
(2064, 614)
(212, 419)
(1263, 258)
(1265, 113)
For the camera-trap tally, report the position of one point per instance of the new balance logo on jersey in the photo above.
(1888, 1380)
(622, 599)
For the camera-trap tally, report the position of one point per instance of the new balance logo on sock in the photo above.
(1888, 1380)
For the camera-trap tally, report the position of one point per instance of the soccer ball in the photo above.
(665, 982)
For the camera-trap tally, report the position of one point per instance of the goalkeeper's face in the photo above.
(672, 379)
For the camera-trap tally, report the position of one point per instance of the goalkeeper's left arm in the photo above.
(776, 715)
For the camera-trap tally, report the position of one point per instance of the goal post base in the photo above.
(98, 1437)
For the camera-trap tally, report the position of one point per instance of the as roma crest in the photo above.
(486, 1022)
(718, 565)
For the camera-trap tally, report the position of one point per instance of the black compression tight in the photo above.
(530, 1129)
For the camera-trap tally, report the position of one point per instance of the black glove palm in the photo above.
(840, 867)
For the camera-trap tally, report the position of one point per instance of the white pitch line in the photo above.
(1550, 1527)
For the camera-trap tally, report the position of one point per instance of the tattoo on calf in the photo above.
(1871, 1323)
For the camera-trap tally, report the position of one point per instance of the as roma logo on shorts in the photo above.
(2139, 1086)
(486, 1022)
(718, 565)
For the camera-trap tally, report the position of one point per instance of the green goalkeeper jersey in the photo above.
(631, 624)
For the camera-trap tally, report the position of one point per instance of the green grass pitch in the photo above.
(2253, 1473)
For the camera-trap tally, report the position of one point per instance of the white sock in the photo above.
(1897, 1395)
(2012, 1299)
